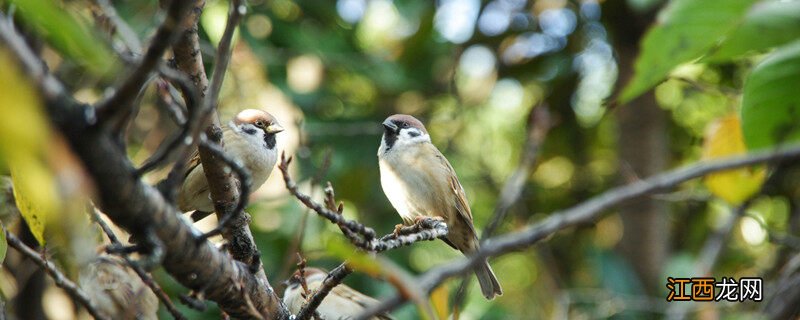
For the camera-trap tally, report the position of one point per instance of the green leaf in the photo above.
(3, 245)
(67, 34)
(771, 105)
(687, 30)
(768, 24)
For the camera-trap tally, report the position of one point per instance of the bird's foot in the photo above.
(397, 229)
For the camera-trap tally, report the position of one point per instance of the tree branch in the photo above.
(360, 235)
(187, 49)
(61, 281)
(179, 143)
(539, 124)
(166, 34)
(235, 13)
(138, 207)
(333, 279)
(128, 36)
(581, 214)
(245, 182)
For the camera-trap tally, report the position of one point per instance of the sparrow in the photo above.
(117, 291)
(342, 302)
(420, 182)
(250, 138)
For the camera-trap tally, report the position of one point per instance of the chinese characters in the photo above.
(709, 289)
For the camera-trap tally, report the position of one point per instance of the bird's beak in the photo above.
(390, 126)
(273, 129)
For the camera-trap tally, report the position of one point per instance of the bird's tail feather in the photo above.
(488, 282)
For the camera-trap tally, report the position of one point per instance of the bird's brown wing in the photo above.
(359, 298)
(185, 195)
(461, 204)
(194, 161)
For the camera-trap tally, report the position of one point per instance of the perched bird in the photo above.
(117, 291)
(342, 302)
(420, 182)
(250, 138)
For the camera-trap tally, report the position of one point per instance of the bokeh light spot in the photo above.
(304, 73)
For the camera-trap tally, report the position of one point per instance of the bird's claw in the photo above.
(397, 229)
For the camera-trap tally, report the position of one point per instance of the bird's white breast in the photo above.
(396, 190)
(254, 156)
(408, 183)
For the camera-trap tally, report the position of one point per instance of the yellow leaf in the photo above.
(439, 300)
(22, 127)
(34, 193)
(24, 139)
(724, 139)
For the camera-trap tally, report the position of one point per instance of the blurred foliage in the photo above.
(686, 29)
(68, 34)
(766, 25)
(472, 71)
(24, 132)
(769, 108)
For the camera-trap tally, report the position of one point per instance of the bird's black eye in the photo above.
(405, 124)
(259, 123)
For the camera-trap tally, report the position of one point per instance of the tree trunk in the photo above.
(643, 151)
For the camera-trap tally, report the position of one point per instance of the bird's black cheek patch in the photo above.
(250, 131)
(269, 139)
(413, 133)
(389, 140)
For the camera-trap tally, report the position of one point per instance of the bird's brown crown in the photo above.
(253, 116)
(404, 121)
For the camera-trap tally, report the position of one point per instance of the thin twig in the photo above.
(708, 88)
(333, 279)
(146, 278)
(168, 102)
(425, 229)
(224, 50)
(50, 87)
(713, 247)
(708, 257)
(297, 241)
(366, 232)
(539, 125)
(580, 214)
(166, 34)
(301, 271)
(60, 280)
(125, 32)
(360, 235)
(180, 142)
